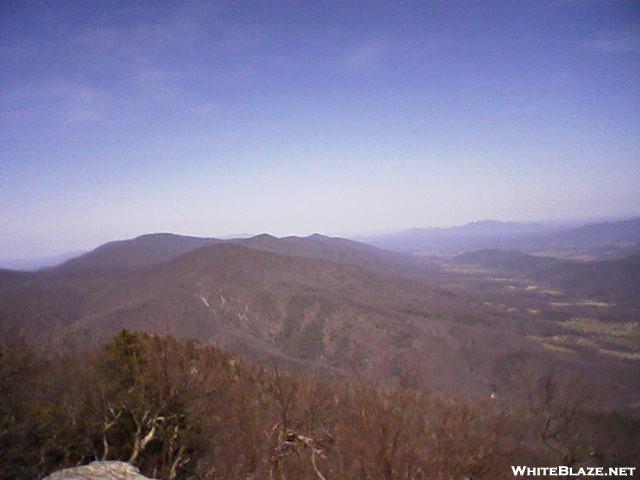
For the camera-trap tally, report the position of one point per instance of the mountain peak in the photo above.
(263, 236)
(318, 236)
(157, 235)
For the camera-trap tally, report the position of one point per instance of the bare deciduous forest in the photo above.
(181, 410)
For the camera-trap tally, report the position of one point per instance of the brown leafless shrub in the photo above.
(180, 410)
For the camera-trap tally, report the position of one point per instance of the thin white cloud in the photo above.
(84, 105)
(148, 60)
(370, 54)
(366, 55)
(169, 48)
(61, 101)
(615, 41)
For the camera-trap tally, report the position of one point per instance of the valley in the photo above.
(464, 325)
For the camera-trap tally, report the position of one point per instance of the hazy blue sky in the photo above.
(292, 117)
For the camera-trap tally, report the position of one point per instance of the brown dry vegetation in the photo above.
(385, 366)
(311, 314)
(180, 410)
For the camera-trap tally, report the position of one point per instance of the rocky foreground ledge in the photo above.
(99, 471)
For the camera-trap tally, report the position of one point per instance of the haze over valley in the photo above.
(338, 306)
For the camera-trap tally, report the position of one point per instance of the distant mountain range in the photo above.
(152, 249)
(343, 307)
(312, 303)
(604, 240)
(303, 310)
(596, 240)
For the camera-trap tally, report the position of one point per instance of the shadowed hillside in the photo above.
(152, 249)
(142, 251)
(305, 313)
(610, 280)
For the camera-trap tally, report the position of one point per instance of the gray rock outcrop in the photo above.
(111, 470)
